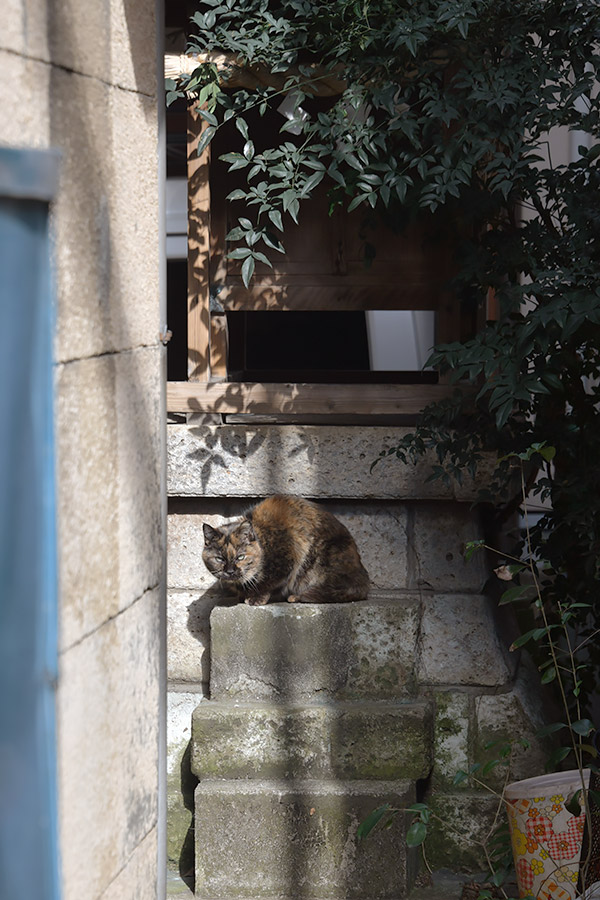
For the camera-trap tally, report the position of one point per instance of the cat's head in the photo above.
(231, 553)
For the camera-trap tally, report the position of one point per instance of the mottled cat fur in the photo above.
(286, 548)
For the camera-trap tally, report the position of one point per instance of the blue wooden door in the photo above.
(28, 593)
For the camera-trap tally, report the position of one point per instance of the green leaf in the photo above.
(557, 757)
(523, 639)
(471, 547)
(549, 675)
(573, 805)
(275, 217)
(247, 270)
(550, 729)
(205, 139)
(242, 127)
(416, 834)
(583, 727)
(368, 824)
(513, 594)
(209, 117)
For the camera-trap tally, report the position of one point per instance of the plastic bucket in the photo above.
(546, 838)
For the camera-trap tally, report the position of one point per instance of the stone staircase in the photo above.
(319, 714)
(313, 723)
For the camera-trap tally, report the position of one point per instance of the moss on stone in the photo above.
(459, 825)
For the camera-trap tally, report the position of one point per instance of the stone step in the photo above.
(279, 841)
(298, 652)
(345, 741)
(389, 647)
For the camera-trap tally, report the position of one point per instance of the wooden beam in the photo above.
(327, 293)
(303, 399)
(198, 252)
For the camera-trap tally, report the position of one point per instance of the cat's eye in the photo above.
(241, 556)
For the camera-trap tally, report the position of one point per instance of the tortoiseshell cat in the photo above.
(286, 548)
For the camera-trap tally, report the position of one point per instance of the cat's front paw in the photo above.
(260, 600)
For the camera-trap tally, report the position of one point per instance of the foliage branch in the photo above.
(445, 110)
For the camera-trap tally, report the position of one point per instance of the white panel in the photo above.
(400, 339)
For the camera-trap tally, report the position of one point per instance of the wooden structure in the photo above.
(323, 269)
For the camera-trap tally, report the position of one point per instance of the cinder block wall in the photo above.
(82, 77)
(411, 535)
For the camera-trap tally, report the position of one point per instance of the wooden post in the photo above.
(199, 368)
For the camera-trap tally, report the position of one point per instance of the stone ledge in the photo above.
(316, 461)
(298, 652)
(345, 740)
(276, 841)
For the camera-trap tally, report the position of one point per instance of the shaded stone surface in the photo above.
(342, 740)
(459, 825)
(298, 651)
(452, 733)
(188, 634)
(282, 841)
(310, 460)
(459, 644)
(514, 716)
(180, 783)
(440, 532)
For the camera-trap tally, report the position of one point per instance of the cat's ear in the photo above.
(210, 533)
(246, 531)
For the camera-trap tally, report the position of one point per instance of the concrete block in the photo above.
(136, 880)
(133, 43)
(315, 461)
(344, 740)
(440, 533)
(181, 783)
(380, 534)
(459, 644)
(108, 198)
(288, 651)
(452, 736)
(79, 39)
(134, 223)
(81, 126)
(514, 716)
(108, 744)
(25, 32)
(137, 404)
(109, 473)
(276, 841)
(86, 429)
(28, 122)
(188, 634)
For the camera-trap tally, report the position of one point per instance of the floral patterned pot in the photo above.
(546, 838)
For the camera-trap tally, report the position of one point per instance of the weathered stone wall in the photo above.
(82, 77)
(446, 651)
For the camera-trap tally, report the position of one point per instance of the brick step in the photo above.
(346, 740)
(279, 841)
